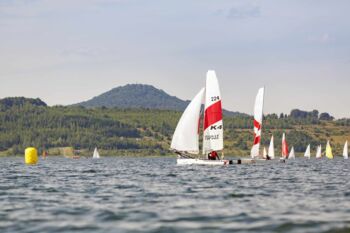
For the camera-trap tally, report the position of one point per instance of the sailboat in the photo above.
(271, 152)
(258, 117)
(265, 153)
(329, 153)
(96, 155)
(319, 152)
(284, 147)
(185, 140)
(291, 154)
(345, 151)
(307, 152)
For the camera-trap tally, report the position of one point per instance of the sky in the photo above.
(68, 51)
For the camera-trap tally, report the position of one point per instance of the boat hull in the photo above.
(189, 161)
(203, 162)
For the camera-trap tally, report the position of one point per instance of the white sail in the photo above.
(271, 152)
(213, 125)
(186, 135)
(307, 152)
(265, 153)
(319, 152)
(291, 154)
(258, 117)
(96, 155)
(345, 151)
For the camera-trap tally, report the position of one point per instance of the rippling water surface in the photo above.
(155, 195)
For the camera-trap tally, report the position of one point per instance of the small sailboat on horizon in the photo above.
(96, 155)
(271, 152)
(284, 147)
(345, 151)
(329, 153)
(319, 152)
(307, 153)
(292, 153)
(258, 117)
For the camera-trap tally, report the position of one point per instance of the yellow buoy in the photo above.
(31, 155)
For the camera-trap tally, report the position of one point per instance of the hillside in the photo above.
(148, 132)
(139, 96)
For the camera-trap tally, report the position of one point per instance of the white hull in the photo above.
(202, 162)
(184, 161)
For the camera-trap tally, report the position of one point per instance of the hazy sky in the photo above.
(67, 51)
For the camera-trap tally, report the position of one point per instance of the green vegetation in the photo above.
(29, 122)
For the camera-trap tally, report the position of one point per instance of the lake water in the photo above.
(155, 195)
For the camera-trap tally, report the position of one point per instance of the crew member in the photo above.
(213, 155)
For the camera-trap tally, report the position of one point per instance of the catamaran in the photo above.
(307, 152)
(319, 152)
(284, 147)
(96, 155)
(185, 140)
(291, 154)
(345, 151)
(329, 153)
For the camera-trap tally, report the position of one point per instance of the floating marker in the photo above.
(31, 155)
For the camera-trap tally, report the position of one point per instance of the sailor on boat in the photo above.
(213, 155)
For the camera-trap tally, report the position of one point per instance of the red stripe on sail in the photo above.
(212, 114)
(257, 124)
(257, 139)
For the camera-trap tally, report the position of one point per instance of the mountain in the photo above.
(139, 96)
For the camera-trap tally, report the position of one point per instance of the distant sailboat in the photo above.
(258, 117)
(307, 152)
(271, 152)
(284, 147)
(96, 155)
(319, 152)
(291, 154)
(265, 153)
(345, 151)
(329, 153)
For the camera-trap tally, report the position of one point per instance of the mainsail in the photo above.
(213, 125)
(271, 152)
(329, 153)
(96, 155)
(258, 117)
(319, 152)
(292, 154)
(345, 151)
(186, 135)
(307, 152)
(284, 147)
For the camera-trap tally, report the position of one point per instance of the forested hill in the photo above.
(139, 96)
(29, 122)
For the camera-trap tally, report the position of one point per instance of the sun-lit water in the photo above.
(155, 195)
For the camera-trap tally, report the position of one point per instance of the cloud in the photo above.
(241, 12)
(324, 38)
